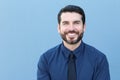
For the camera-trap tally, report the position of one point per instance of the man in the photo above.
(72, 59)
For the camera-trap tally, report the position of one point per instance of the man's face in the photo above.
(71, 27)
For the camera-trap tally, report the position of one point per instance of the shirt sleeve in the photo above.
(102, 70)
(42, 72)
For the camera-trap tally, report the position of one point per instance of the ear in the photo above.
(84, 27)
(58, 28)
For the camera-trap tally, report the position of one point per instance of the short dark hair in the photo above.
(72, 8)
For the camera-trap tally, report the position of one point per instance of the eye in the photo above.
(65, 23)
(77, 22)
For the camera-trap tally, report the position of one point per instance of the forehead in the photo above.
(70, 16)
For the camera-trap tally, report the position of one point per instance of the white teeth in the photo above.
(71, 34)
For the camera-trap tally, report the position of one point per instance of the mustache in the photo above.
(73, 31)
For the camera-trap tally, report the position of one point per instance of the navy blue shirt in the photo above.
(91, 64)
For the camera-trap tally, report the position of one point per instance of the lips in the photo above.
(71, 35)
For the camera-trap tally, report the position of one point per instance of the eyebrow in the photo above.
(65, 21)
(77, 21)
(73, 21)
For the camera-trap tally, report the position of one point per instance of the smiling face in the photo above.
(71, 27)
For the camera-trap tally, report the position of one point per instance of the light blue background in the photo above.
(29, 27)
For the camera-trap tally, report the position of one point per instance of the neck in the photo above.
(71, 47)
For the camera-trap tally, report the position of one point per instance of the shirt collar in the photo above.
(79, 50)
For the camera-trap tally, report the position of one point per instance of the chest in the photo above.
(59, 66)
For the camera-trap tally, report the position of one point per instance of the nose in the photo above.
(71, 27)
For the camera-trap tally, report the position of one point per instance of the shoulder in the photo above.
(93, 51)
(93, 54)
(50, 53)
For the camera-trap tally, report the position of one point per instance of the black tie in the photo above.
(71, 67)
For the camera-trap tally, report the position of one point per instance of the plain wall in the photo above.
(29, 27)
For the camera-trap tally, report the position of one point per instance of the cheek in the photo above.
(63, 30)
(81, 29)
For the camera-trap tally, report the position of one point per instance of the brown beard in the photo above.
(73, 42)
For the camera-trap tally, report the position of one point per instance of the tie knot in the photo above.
(71, 56)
